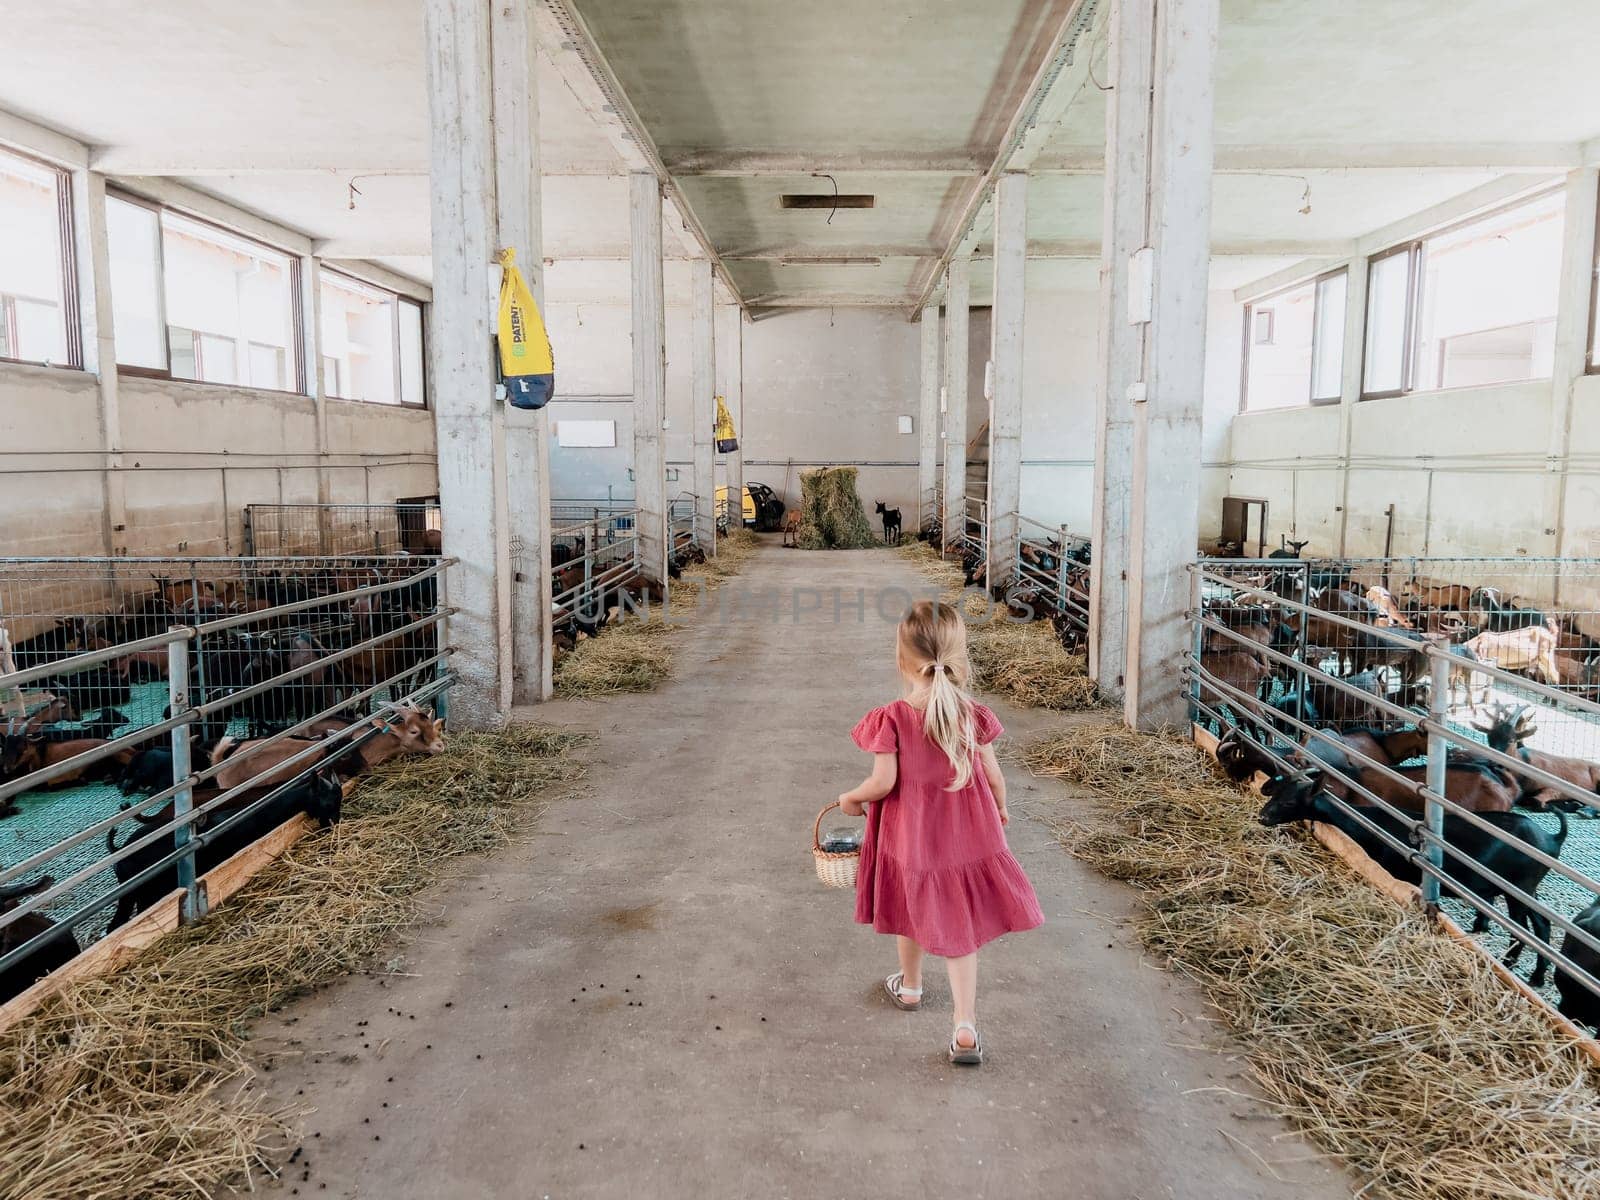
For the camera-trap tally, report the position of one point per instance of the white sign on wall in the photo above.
(586, 433)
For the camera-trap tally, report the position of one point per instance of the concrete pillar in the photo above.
(469, 421)
(1005, 408)
(928, 419)
(518, 216)
(1121, 343)
(730, 386)
(703, 375)
(956, 298)
(1355, 332)
(311, 367)
(93, 257)
(649, 374)
(1156, 259)
(1571, 345)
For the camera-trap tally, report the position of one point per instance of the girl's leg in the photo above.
(910, 962)
(963, 973)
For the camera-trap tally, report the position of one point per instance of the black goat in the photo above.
(1304, 800)
(1578, 1003)
(319, 797)
(891, 523)
(61, 949)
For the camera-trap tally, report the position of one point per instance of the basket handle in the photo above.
(816, 830)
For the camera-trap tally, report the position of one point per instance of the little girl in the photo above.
(935, 869)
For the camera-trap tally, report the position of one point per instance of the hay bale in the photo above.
(135, 1084)
(831, 516)
(1392, 1046)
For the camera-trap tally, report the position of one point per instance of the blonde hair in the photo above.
(931, 650)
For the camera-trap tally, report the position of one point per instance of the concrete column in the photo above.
(519, 219)
(704, 404)
(1355, 332)
(956, 298)
(311, 367)
(730, 371)
(649, 374)
(1121, 346)
(928, 419)
(1571, 344)
(93, 257)
(1005, 408)
(469, 421)
(1165, 484)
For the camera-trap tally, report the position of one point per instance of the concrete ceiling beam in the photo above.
(742, 163)
(1364, 156)
(33, 138)
(566, 40)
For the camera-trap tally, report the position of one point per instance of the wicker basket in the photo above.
(835, 869)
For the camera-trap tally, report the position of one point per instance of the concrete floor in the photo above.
(653, 997)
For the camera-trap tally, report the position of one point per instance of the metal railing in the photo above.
(1054, 564)
(262, 649)
(593, 558)
(323, 529)
(971, 541)
(1256, 669)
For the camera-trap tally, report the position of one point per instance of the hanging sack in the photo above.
(527, 366)
(727, 440)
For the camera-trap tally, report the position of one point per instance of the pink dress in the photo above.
(934, 865)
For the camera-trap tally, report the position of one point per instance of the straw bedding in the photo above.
(1396, 1049)
(134, 1085)
(831, 516)
(635, 655)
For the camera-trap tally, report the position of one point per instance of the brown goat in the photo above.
(408, 730)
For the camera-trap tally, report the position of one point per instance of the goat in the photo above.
(1434, 597)
(1508, 730)
(1577, 1002)
(891, 523)
(1384, 602)
(1288, 549)
(409, 730)
(791, 527)
(1491, 612)
(1478, 787)
(24, 753)
(61, 949)
(1529, 649)
(318, 797)
(1304, 800)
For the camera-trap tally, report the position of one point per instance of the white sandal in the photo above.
(967, 1056)
(902, 997)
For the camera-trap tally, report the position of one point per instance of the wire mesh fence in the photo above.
(1452, 769)
(161, 714)
(404, 527)
(1054, 565)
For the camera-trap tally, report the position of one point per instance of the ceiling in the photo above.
(1369, 109)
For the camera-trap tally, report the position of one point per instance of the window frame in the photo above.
(296, 350)
(1315, 283)
(399, 298)
(66, 234)
(1417, 248)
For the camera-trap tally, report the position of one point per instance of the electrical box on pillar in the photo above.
(527, 364)
(727, 438)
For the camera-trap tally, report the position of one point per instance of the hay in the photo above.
(134, 1085)
(634, 652)
(1028, 664)
(1392, 1046)
(831, 516)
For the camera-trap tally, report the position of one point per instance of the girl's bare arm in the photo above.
(996, 778)
(885, 770)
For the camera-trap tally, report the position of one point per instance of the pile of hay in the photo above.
(1027, 663)
(831, 516)
(135, 1084)
(1390, 1044)
(634, 653)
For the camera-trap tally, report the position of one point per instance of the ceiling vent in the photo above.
(825, 201)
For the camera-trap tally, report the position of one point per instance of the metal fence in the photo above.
(1054, 565)
(592, 559)
(1372, 727)
(404, 527)
(121, 675)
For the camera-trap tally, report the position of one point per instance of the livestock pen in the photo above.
(406, 526)
(1452, 770)
(128, 672)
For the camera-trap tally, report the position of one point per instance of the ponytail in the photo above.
(933, 645)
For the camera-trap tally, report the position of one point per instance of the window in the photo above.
(371, 343)
(1294, 345)
(1472, 305)
(191, 300)
(38, 320)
